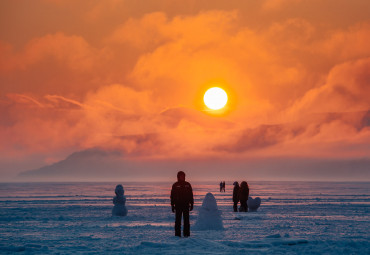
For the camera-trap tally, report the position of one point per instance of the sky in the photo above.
(129, 76)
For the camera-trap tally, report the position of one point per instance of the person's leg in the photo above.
(245, 206)
(178, 222)
(235, 206)
(186, 223)
(242, 206)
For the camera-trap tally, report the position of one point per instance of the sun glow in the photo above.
(215, 98)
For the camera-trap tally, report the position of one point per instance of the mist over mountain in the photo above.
(101, 165)
(243, 160)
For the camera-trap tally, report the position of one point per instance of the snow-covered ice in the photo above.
(294, 218)
(253, 204)
(119, 201)
(209, 217)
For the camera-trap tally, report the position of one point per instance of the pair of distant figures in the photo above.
(222, 186)
(241, 194)
(182, 202)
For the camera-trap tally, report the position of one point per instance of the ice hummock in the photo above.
(119, 201)
(253, 204)
(209, 217)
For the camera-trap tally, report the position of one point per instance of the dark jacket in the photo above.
(236, 193)
(243, 191)
(182, 194)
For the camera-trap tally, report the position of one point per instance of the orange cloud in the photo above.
(273, 5)
(24, 99)
(74, 51)
(347, 44)
(346, 89)
(137, 86)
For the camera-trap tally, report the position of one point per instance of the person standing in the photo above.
(236, 196)
(182, 201)
(221, 185)
(243, 196)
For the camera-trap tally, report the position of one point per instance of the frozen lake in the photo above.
(294, 217)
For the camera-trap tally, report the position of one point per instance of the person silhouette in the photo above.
(243, 196)
(182, 201)
(236, 196)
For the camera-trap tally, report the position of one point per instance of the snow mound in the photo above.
(209, 217)
(119, 201)
(253, 204)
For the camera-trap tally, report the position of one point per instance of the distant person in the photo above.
(182, 201)
(243, 196)
(119, 201)
(221, 185)
(236, 196)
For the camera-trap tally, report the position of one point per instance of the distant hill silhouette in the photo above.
(99, 165)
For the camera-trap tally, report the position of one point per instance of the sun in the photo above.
(215, 98)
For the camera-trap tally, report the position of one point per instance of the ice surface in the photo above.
(209, 217)
(75, 218)
(119, 201)
(253, 204)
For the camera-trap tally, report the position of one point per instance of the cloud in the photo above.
(54, 63)
(257, 138)
(74, 51)
(63, 102)
(103, 10)
(346, 44)
(346, 89)
(24, 99)
(274, 5)
(146, 33)
(173, 116)
(138, 88)
(329, 135)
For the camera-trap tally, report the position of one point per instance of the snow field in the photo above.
(294, 218)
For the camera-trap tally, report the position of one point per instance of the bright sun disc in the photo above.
(215, 98)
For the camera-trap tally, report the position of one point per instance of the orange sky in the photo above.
(130, 76)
